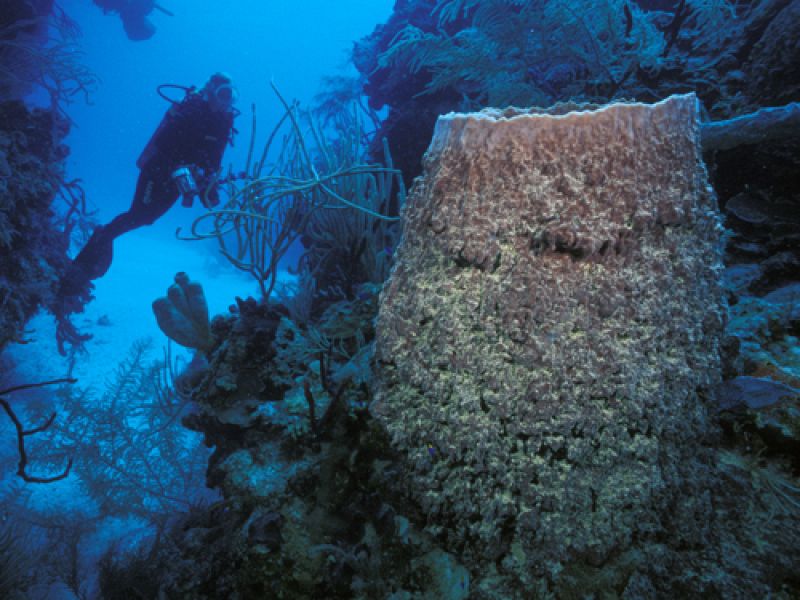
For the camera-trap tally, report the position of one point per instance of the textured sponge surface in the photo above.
(551, 327)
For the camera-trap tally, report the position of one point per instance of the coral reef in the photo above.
(39, 52)
(550, 344)
(434, 57)
(547, 416)
(32, 249)
(773, 124)
(304, 511)
(758, 191)
(549, 340)
(546, 362)
(771, 73)
(740, 58)
(757, 185)
(23, 32)
(430, 58)
(131, 454)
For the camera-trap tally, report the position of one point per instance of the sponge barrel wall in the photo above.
(549, 336)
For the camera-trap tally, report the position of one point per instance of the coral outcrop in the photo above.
(430, 58)
(551, 333)
(32, 249)
(303, 512)
(23, 32)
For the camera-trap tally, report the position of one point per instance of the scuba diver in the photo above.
(134, 15)
(182, 159)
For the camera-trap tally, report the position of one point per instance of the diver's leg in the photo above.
(155, 194)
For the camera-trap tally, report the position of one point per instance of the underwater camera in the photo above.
(184, 179)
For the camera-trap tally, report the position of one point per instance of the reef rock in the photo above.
(550, 335)
(32, 247)
(773, 65)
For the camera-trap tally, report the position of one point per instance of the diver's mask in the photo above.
(225, 96)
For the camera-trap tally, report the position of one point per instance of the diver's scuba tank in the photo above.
(150, 148)
(184, 179)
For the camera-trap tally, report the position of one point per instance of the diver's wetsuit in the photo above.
(189, 134)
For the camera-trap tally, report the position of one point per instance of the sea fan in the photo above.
(16, 564)
(525, 52)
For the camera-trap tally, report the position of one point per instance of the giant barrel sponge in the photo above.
(550, 335)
